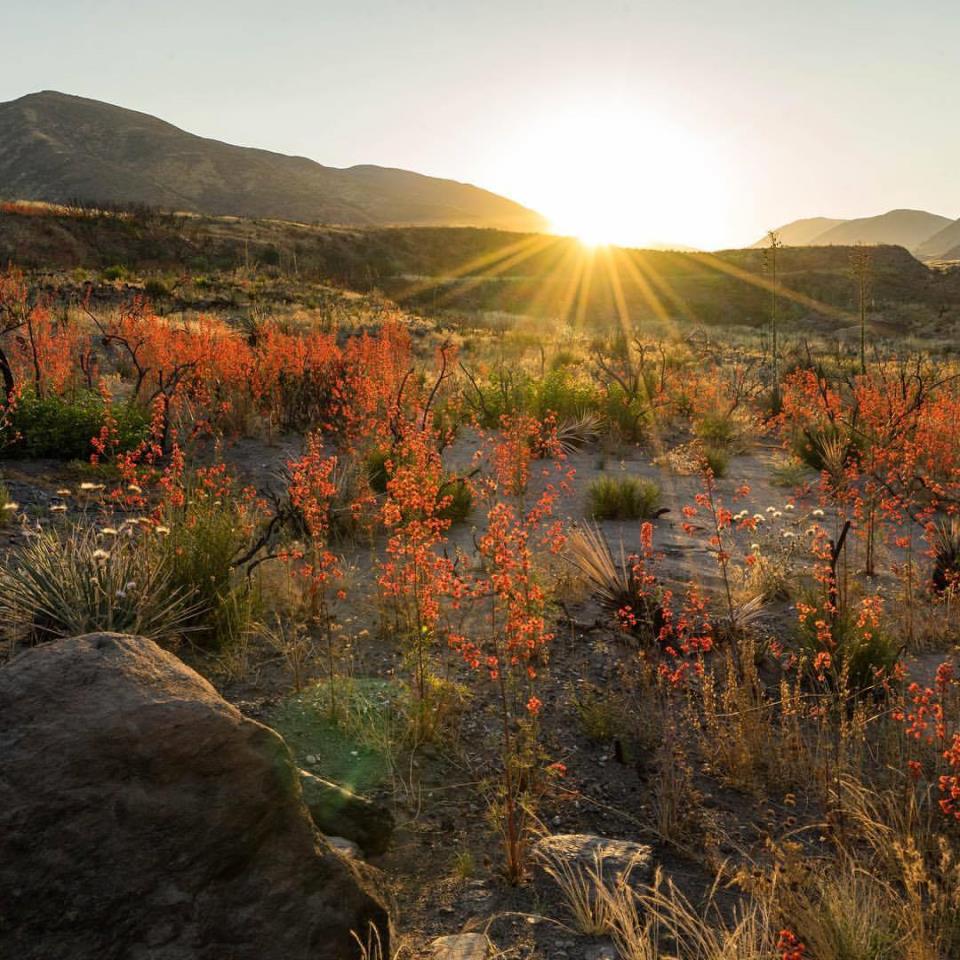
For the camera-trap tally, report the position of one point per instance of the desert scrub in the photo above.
(453, 492)
(87, 579)
(201, 541)
(7, 505)
(849, 648)
(376, 468)
(62, 427)
(457, 498)
(789, 473)
(824, 448)
(623, 498)
(716, 430)
(564, 395)
(717, 459)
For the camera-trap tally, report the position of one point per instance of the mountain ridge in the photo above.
(57, 147)
(917, 230)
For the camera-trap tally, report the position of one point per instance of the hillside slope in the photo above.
(59, 148)
(905, 228)
(914, 229)
(437, 270)
(802, 233)
(944, 243)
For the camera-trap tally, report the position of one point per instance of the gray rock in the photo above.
(345, 847)
(141, 815)
(461, 946)
(617, 860)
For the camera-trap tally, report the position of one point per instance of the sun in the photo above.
(620, 173)
(591, 227)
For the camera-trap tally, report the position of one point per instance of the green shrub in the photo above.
(61, 428)
(204, 538)
(857, 652)
(115, 272)
(600, 716)
(376, 464)
(623, 498)
(564, 358)
(716, 430)
(789, 473)
(84, 580)
(156, 290)
(717, 459)
(561, 393)
(630, 418)
(461, 500)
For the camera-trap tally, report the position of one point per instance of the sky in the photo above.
(696, 122)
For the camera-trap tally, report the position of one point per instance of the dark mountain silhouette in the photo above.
(60, 148)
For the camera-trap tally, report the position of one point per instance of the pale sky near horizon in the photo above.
(681, 121)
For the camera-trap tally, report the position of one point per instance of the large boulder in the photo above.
(142, 816)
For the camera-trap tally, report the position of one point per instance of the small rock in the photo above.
(586, 852)
(346, 848)
(603, 951)
(461, 946)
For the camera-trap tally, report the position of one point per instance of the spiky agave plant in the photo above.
(85, 579)
(614, 582)
(573, 434)
(946, 546)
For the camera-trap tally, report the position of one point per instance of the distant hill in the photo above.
(904, 228)
(58, 148)
(802, 233)
(945, 243)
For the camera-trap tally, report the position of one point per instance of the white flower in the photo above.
(755, 547)
(163, 531)
(58, 508)
(788, 506)
(817, 513)
(135, 488)
(758, 517)
(771, 509)
(789, 534)
(100, 555)
(11, 506)
(64, 492)
(109, 531)
(777, 514)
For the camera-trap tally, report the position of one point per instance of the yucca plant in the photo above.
(612, 582)
(84, 580)
(946, 547)
(575, 433)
